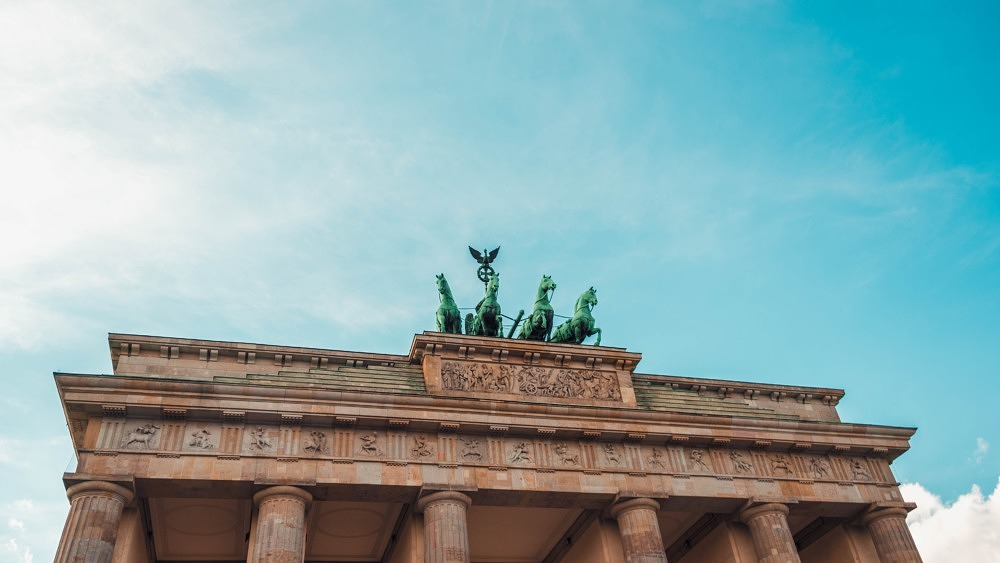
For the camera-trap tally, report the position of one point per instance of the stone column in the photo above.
(446, 533)
(280, 536)
(640, 530)
(772, 538)
(890, 535)
(95, 511)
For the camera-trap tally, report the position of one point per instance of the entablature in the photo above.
(90, 396)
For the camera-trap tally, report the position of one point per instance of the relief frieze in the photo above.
(470, 452)
(533, 381)
(259, 439)
(698, 461)
(657, 459)
(315, 443)
(142, 437)
(369, 444)
(546, 453)
(566, 457)
(421, 449)
(520, 453)
(202, 439)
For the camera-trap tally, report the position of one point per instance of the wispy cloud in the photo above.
(982, 448)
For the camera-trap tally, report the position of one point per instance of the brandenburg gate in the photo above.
(465, 449)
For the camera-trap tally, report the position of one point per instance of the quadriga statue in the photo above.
(449, 319)
(539, 325)
(575, 330)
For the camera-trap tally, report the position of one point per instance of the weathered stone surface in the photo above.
(640, 531)
(368, 435)
(446, 533)
(772, 538)
(280, 536)
(891, 536)
(92, 524)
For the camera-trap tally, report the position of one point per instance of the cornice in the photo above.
(109, 395)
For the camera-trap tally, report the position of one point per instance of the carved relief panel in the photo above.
(531, 381)
(201, 437)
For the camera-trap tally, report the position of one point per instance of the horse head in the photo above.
(546, 286)
(587, 299)
(493, 285)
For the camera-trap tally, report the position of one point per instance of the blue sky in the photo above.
(800, 193)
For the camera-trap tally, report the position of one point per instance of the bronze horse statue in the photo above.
(539, 325)
(487, 320)
(449, 319)
(575, 330)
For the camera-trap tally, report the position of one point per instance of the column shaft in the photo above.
(95, 513)
(640, 530)
(446, 533)
(891, 537)
(772, 538)
(280, 536)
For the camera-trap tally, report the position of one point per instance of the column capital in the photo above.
(754, 511)
(883, 512)
(283, 490)
(443, 496)
(624, 506)
(102, 488)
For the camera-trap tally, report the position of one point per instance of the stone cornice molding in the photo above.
(521, 352)
(173, 348)
(747, 389)
(88, 392)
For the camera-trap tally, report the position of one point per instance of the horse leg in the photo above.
(598, 331)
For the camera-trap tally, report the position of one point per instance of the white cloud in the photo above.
(15, 524)
(22, 554)
(966, 530)
(982, 447)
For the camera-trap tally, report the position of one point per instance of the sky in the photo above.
(802, 193)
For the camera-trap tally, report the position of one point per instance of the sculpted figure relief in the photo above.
(520, 454)
(368, 446)
(819, 467)
(860, 470)
(420, 447)
(779, 465)
(565, 456)
(740, 463)
(315, 443)
(202, 439)
(656, 458)
(141, 437)
(698, 460)
(470, 449)
(530, 380)
(259, 440)
(611, 454)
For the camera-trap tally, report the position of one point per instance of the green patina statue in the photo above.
(539, 325)
(449, 319)
(581, 326)
(487, 320)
